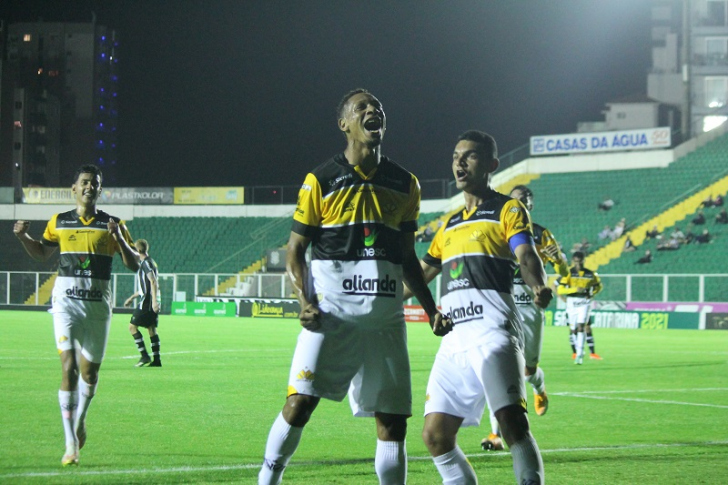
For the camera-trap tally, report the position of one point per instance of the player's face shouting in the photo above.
(364, 119)
(470, 166)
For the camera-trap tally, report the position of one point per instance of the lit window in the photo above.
(27, 38)
(712, 122)
(40, 71)
(716, 91)
(18, 125)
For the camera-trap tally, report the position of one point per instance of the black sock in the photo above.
(155, 346)
(590, 342)
(572, 341)
(140, 344)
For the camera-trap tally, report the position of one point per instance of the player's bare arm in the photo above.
(129, 300)
(417, 274)
(128, 254)
(33, 247)
(534, 275)
(297, 270)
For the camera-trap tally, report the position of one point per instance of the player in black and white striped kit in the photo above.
(146, 314)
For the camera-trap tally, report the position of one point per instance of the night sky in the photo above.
(233, 92)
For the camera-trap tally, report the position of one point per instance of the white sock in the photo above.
(390, 462)
(86, 392)
(68, 403)
(455, 468)
(494, 425)
(282, 442)
(536, 380)
(527, 462)
(580, 337)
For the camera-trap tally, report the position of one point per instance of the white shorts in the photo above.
(84, 334)
(462, 382)
(372, 366)
(532, 333)
(578, 311)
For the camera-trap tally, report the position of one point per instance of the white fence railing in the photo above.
(19, 288)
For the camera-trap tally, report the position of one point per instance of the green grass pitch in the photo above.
(655, 410)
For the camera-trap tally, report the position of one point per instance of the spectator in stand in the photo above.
(628, 245)
(605, 233)
(708, 202)
(426, 235)
(619, 229)
(671, 244)
(699, 219)
(689, 235)
(606, 204)
(721, 217)
(585, 246)
(653, 234)
(703, 238)
(718, 201)
(678, 234)
(646, 259)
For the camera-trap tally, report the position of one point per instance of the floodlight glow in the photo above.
(712, 122)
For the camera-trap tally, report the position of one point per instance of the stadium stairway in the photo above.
(668, 218)
(44, 292)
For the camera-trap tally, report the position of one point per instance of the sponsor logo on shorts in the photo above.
(306, 375)
(359, 285)
(62, 339)
(91, 294)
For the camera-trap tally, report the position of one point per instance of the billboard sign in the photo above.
(607, 141)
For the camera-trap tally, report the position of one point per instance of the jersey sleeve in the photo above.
(516, 224)
(412, 211)
(434, 254)
(308, 214)
(50, 235)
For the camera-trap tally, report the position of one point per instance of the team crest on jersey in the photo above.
(389, 208)
(477, 235)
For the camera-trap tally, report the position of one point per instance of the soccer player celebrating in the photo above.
(578, 288)
(481, 359)
(88, 238)
(550, 252)
(359, 213)
(146, 314)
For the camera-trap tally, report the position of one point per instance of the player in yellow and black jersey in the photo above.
(88, 239)
(481, 360)
(578, 288)
(358, 213)
(549, 251)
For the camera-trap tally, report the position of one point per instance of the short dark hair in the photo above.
(345, 99)
(143, 243)
(523, 189)
(481, 137)
(92, 169)
(578, 254)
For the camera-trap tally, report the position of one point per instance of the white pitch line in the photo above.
(699, 389)
(248, 466)
(211, 352)
(634, 399)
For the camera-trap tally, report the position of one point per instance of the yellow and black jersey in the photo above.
(475, 252)
(84, 268)
(355, 222)
(582, 284)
